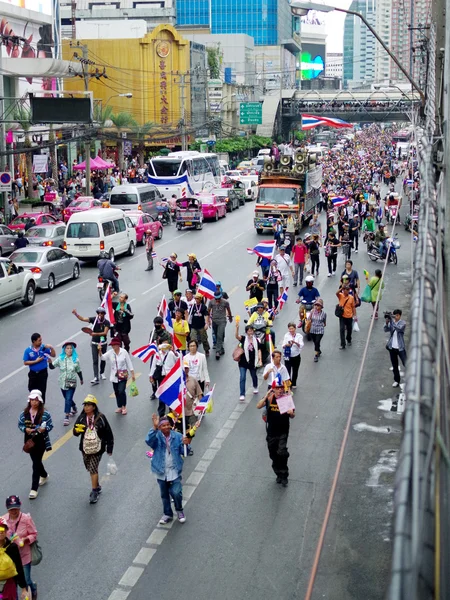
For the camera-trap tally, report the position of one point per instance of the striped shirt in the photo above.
(318, 321)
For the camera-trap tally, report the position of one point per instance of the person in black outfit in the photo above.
(255, 286)
(273, 277)
(12, 550)
(99, 333)
(314, 253)
(331, 249)
(193, 269)
(122, 316)
(172, 273)
(177, 302)
(159, 334)
(277, 427)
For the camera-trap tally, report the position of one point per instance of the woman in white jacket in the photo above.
(121, 370)
(198, 367)
(160, 367)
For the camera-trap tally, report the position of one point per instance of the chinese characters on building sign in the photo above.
(163, 51)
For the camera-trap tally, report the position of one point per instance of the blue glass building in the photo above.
(267, 21)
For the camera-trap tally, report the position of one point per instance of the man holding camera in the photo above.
(396, 343)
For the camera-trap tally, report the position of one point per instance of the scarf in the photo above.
(247, 348)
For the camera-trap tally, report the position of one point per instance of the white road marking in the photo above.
(152, 288)
(28, 307)
(135, 256)
(239, 235)
(131, 576)
(13, 373)
(144, 556)
(71, 337)
(226, 243)
(74, 286)
(157, 536)
(119, 595)
(171, 241)
(206, 256)
(133, 300)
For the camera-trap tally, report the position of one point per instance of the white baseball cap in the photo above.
(36, 394)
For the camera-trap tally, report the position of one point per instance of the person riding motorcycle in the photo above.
(262, 323)
(163, 209)
(308, 293)
(380, 239)
(106, 268)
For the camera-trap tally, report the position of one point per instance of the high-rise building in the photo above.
(359, 45)
(334, 65)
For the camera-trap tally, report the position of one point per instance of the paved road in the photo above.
(245, 537)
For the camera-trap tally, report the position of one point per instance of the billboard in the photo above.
(312, 61)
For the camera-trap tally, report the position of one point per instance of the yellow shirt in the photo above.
(180, 327)
(256, 315)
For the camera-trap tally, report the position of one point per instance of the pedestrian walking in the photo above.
(193, 394)
(96, 438)
(36, 423)
(121, 369)
(167, 464)
(177, 302)
(331, 249)
(122, 317)
(149, 246)
(273, 279)
(318, 318)
(314, 254)
(285, 268)
(172, 272)
(193, 271)
(276, 368)
(198, 365)
(292, 346)
(99, 333)
(300, 257)
(161, 365)
(249, 359)
(159, 334)
(219, 310)
(13, 573)
(22, 527)
(69, 370)
(199, 323)
(180, 330)
(36, 358)
(346, 311)
(277, 431)
(396, 326)
(375, 283)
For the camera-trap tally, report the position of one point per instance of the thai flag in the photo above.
(203, 402)
(154, 255)
(409, 182)
(312, 121)
(107, 305)
(170, 388)
(339, 201)
(263, 249)
(207, 285)
(146, 352)
(282, 299)
(167, 317)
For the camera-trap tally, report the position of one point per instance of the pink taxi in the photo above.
(142, 223)
(80, 204)
(39, 219)
(213, 207)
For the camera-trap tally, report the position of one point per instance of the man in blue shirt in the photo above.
(36, 357)
(308, 293)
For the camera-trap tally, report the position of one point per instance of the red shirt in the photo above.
(299, 252)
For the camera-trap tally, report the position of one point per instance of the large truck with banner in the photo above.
(288, 189)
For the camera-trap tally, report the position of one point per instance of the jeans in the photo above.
(315, 263)
(120, 392)
(345, 325)
(68, 400)
(243, 378)
(174, 489)
(332, 263)
(30, 582)
(347, 250)
(272, 296)
(37, 380)
(292, 365)
(355, 240)
(317, 338)
(395, 354)
(38, 467)
(96, 359)
(278, 452)
(298, 273)
(219, 332)
(200, 336)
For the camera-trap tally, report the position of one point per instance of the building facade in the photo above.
(334, 64)
(360, 45)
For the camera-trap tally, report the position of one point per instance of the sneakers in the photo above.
(329, 275)
(222, 352)
(294, 284)
(43, 480)
(164, 520)
(255, 391)
(217, 356)
(94, 381)
(241, 398)
(66, 420)
(33, 494)
(316, 358)
(395, 384)
(103, 376)
(181, 517)
(341, 347)
(356, 251)
(93, 496)
(391, 368)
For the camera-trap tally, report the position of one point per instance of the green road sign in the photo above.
(250, 113)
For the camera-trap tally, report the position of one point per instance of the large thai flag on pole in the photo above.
(312, 121)
(166, 316)
(170, 388)
(107, 305)
(145, 353)
(339, 201)
(263, 249)
(207, 285)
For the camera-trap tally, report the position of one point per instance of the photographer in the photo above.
(396, 344)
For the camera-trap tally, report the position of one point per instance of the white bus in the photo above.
(184, 173)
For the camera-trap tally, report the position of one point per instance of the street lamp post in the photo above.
(298, 7)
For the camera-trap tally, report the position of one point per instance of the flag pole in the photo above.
(271, 359)
(204, 411)
(182, 389)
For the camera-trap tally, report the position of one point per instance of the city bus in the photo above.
(184, 173)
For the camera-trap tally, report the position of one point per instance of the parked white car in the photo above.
(15, 284)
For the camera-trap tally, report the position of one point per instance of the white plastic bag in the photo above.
(355, 326)
(111, 467)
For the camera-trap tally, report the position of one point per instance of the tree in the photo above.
(53, 157)
(22, 116)
(214, 61)
(122, 121)
(141, 133)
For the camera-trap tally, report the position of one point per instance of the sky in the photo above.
(334, 22)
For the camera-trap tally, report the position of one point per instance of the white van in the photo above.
(102, 229)
(136, 196)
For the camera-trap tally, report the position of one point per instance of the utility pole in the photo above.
(2, 135)
(87, 143)
(183, 111)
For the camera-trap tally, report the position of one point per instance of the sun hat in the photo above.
(36, 394)
(198, 295)
(90, 399)
(319, 301)
(69, 344)
(194, 256)
(218, 295)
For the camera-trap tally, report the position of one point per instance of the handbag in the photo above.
(36, 553)
(367, 294)
(237, 353)
(339, 310)
(28, 446)
(122, 374)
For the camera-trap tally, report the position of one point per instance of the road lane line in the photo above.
(13, 373)
(238, 236)
(119, 595)
(233, 289)
(28, 307)
(74, 286)
(223, 245)
(133, 300)
(131, 576)
(58, 444)
(144, 556)
(206, 256)
(172, 240)
(152, 288)
(136, 375)
(69, 338)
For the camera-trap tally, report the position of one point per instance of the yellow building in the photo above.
(150, 68)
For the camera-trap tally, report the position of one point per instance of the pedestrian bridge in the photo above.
(353, 106)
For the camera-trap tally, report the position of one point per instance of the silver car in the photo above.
(50, 266)
(46, 235)
(7, 239)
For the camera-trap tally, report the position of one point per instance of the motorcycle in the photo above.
(392, 244)
(304, 313)
(163, 214)
(411, 222)
(391, 214)
(102, 285)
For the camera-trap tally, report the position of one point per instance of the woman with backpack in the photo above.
(11, 570)
(96, 437)
(36, 423)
